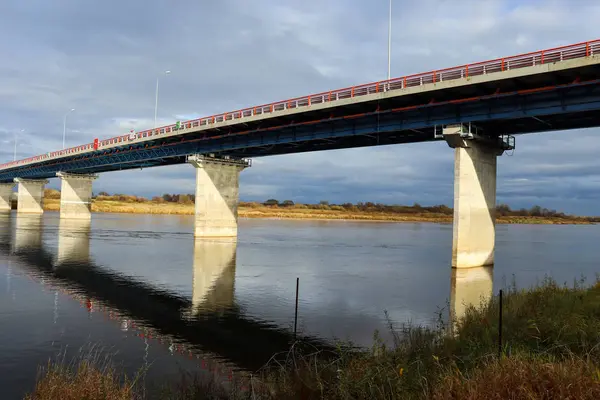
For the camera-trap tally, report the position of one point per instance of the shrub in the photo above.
(91, 377)
(185, 199)
(51, 194)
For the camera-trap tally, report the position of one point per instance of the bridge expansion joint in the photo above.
(461, 135)
(199, 160)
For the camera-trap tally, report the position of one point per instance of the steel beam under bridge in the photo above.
(561, 107)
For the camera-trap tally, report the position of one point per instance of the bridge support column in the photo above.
(6, 191)
(30, 198)
(474, 232)
(217, 195)
(76, 195)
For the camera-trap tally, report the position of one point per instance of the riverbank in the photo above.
(304, 212)
(550, 350)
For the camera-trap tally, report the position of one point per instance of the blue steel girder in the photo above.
(490, 112)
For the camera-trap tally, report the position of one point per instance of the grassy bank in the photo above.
(133, 205)
(551, 350)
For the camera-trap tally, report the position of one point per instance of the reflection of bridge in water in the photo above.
(210, 322)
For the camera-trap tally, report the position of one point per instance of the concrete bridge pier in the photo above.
(6, 191)
(474, 232)
(76, 195)
(217, 195)
(30, 198)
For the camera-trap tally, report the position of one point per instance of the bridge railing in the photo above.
(548, 56)
(562, 53)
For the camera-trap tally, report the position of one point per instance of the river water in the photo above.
(140, 287)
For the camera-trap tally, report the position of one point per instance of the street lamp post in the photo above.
(15, 151)
(390, 43)
(65, 126)
(156, 98)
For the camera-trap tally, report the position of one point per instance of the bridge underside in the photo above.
(555, 101)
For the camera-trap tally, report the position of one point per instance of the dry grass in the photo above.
(111, 206)
(297, 212)
(191, 387)
(86, 381)
(517, 378)
(510, 378)
(142, 208)
(300, 213)
(551, 351)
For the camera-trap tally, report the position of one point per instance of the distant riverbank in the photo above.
(107, 204)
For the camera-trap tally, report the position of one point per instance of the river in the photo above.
(140, 288)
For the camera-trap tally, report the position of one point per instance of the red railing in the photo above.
(557, 54)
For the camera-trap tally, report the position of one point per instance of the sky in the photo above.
(103, 58)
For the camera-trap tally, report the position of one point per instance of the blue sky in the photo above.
(102, 58)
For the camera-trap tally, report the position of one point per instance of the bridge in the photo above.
(476, 109)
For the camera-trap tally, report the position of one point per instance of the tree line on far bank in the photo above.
(416, 208)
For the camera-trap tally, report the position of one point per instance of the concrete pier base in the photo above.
(474, 232)
(76, 195)
(217, 195)
(6, 191)
(30, 198)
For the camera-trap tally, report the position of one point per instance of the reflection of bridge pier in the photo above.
(469, 287)
(214, 275)
(27, 232)
(73, 241)
(6, 192)
(246, 341)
